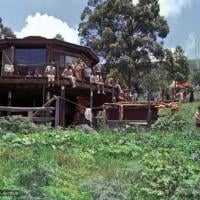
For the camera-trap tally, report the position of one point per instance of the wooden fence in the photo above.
(32, 112)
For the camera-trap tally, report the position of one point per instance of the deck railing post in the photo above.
(57, 112)
(91, 103)
(62, 106)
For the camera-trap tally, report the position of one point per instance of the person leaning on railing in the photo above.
(87, 72)
(68, 73)
(197, 116)
(50, 72)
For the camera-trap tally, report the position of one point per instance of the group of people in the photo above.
(77, 71)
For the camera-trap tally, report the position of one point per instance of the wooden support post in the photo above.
(91, 102)
(57, 112)
(9, 101)
(62, 106)
(43, 99)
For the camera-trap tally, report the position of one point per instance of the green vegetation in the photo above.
(5, 31)
(128, 37)
(113, 164)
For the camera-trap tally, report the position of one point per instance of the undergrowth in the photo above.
(113, 164)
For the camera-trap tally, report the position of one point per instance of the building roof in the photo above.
(37, 40)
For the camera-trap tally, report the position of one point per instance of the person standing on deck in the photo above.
(117, 90)
(191, 95)
(50, 72)
(97, 78)
(78, 69)
(87, 73)
(197, 116)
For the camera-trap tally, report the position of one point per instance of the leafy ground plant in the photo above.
(61, 164)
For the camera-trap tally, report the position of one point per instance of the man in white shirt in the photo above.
(50, 72)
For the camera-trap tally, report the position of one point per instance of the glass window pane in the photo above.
(70, 59)
(30, 56)
(59, 59)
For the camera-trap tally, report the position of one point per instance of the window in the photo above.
(36, 56)
(59, 59)
(70, 59)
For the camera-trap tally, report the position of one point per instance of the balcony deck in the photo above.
(30, 82)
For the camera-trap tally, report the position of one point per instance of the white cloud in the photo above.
(173, 8)
(172, 49)
(135, 2)
(191, 43)
(48, 26)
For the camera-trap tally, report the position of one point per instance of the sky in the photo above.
(49, 17)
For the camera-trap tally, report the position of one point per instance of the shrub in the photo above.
(170, 123)
(15, 124)
(189, 189)
(32, 182)
(102, 189)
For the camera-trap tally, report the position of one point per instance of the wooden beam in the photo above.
(42, 80)
(25, 109)
(38, 119)
(46, 104)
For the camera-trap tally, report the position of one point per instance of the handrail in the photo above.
(25, 109)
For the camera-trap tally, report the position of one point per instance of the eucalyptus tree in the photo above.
(127, 36)
(5, 31)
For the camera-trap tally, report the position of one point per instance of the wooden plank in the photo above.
(37, 119)
(43, 119)
(139, 122)
(25, 109)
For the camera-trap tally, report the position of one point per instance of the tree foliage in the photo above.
(5, 32)
(127, 36)
(59, 37)
(181, 70)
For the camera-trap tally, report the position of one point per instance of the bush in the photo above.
(102, 189)
(32, 182)
(19, 125)
(170, 123)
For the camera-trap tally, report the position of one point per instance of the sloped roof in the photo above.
(38, 40)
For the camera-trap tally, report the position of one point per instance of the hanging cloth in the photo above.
(88, 114)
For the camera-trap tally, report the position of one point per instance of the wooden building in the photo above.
(22, 59)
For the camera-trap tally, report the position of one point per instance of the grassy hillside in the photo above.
(113, 164)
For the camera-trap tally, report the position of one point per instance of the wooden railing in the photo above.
(25, 71)
(33, 71)
(42, 114)
(19, 112)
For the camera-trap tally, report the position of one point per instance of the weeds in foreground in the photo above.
(162, 164)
